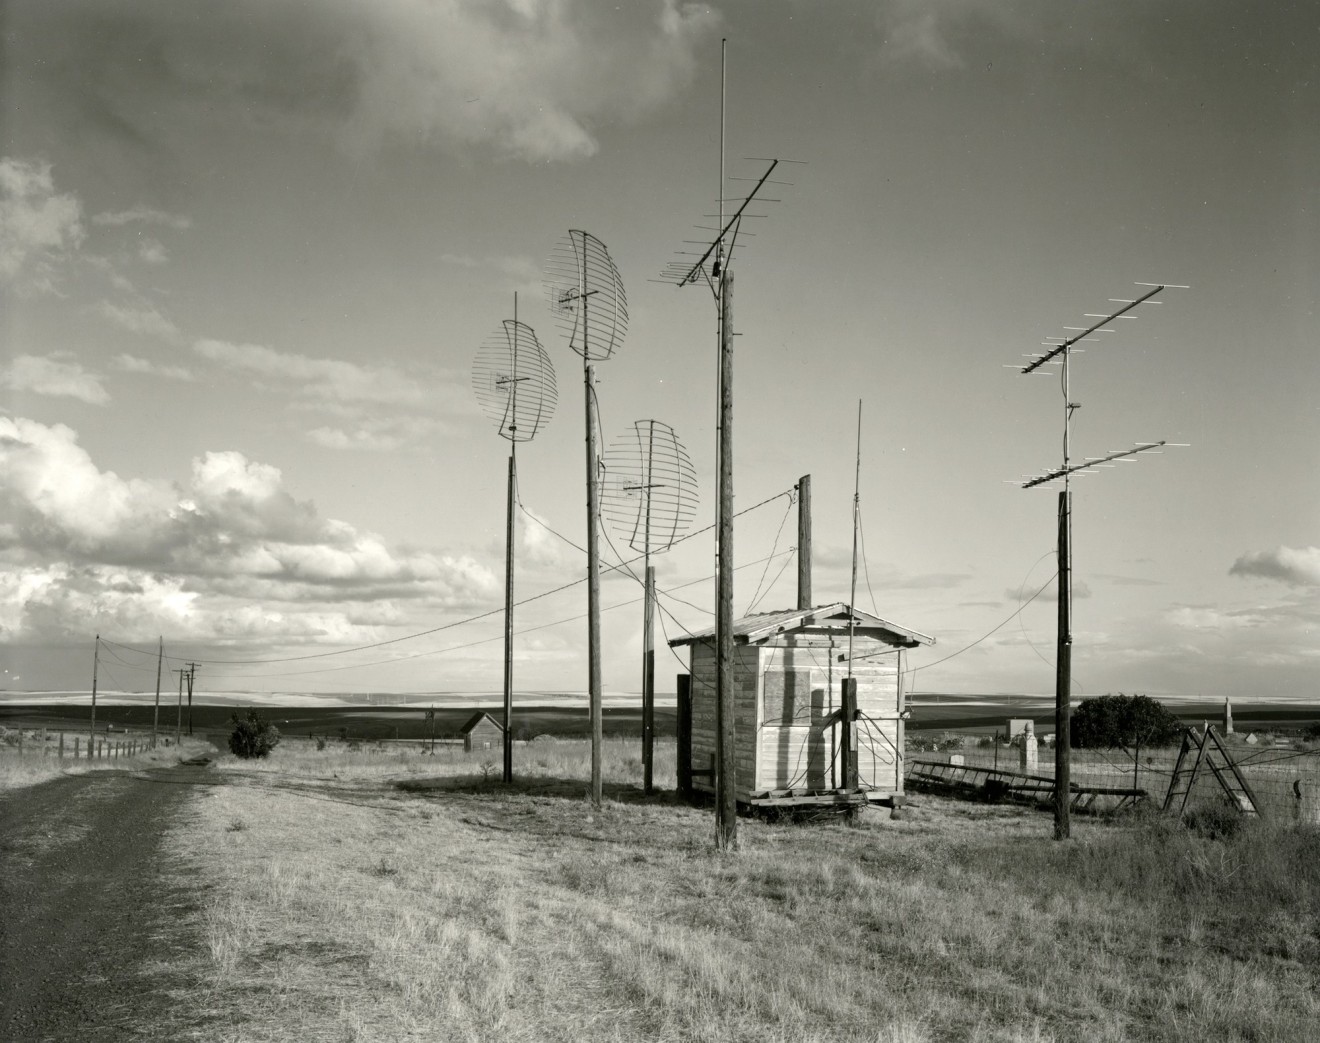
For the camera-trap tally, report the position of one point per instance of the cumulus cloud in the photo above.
(52, 375)
(1212, 618)
(1050, 593)
(144, 215)
(152, 251)
(378, 435)
(234, 531)
(133, 364)
(533, 79)
(39, 227)
(1297, 567)
(141, 319)
(941, 34)
(330, 379)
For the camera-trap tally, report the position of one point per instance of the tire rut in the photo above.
(94, 942)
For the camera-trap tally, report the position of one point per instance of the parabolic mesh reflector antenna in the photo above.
(585, 292)
(515, 381)
(649, 492)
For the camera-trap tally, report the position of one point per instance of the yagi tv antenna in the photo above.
(713, 265)
(649, 498)
(1059, 353)
(585, 292)
(515, 384)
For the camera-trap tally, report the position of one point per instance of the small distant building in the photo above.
(482, 732)
(789, 669)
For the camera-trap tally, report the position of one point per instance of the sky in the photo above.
(249, 251)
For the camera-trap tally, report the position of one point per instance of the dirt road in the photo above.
(93, 937)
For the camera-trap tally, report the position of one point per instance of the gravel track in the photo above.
(95, 935)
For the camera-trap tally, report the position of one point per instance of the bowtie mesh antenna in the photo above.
(649, 498)
(515, 384)
(585, 292)
(514, 380)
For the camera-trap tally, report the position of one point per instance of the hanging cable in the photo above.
(773, 547)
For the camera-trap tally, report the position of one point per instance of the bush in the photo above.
(1123, 720)
(253, 736)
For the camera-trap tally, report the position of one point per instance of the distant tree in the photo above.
(1123, 720)
(253, 736)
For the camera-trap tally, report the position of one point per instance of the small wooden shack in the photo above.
(482, 732)
(789, 726)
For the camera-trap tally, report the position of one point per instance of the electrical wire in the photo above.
(965, 648)
(866, 568)
(774, 546)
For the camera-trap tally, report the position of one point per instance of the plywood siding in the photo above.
(879, 734)
(745, 691)
(785, 691)
(796, 748)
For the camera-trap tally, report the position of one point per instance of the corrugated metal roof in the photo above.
(764, 624)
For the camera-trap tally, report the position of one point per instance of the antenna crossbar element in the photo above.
(697, 270)
(1065, 345)
(1091, 464)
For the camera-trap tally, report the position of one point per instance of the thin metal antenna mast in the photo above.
(1061, 353)
(515, 384)
(714, 266)
(649, 496)
(585, 291)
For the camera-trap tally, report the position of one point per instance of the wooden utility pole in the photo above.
(1063, 678)
(508, 605)
(648, 684)
(593, 595)
(726, 800)
(155, 715)
(804, 543)
(1062, 351)
(96, 661)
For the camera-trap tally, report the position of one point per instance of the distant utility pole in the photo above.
(1059, 353)
(96, 662)
(155, 715)
(178, 720)
(192, 674)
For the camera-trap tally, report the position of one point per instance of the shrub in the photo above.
(1123, 720)
(253, 736)
(1312, 732)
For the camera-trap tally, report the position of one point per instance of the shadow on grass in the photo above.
(477, 784)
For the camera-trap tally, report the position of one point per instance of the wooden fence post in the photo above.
(61, 746)
(43, 743)
(77, 741)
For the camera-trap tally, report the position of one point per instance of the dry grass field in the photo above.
(338, 906)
